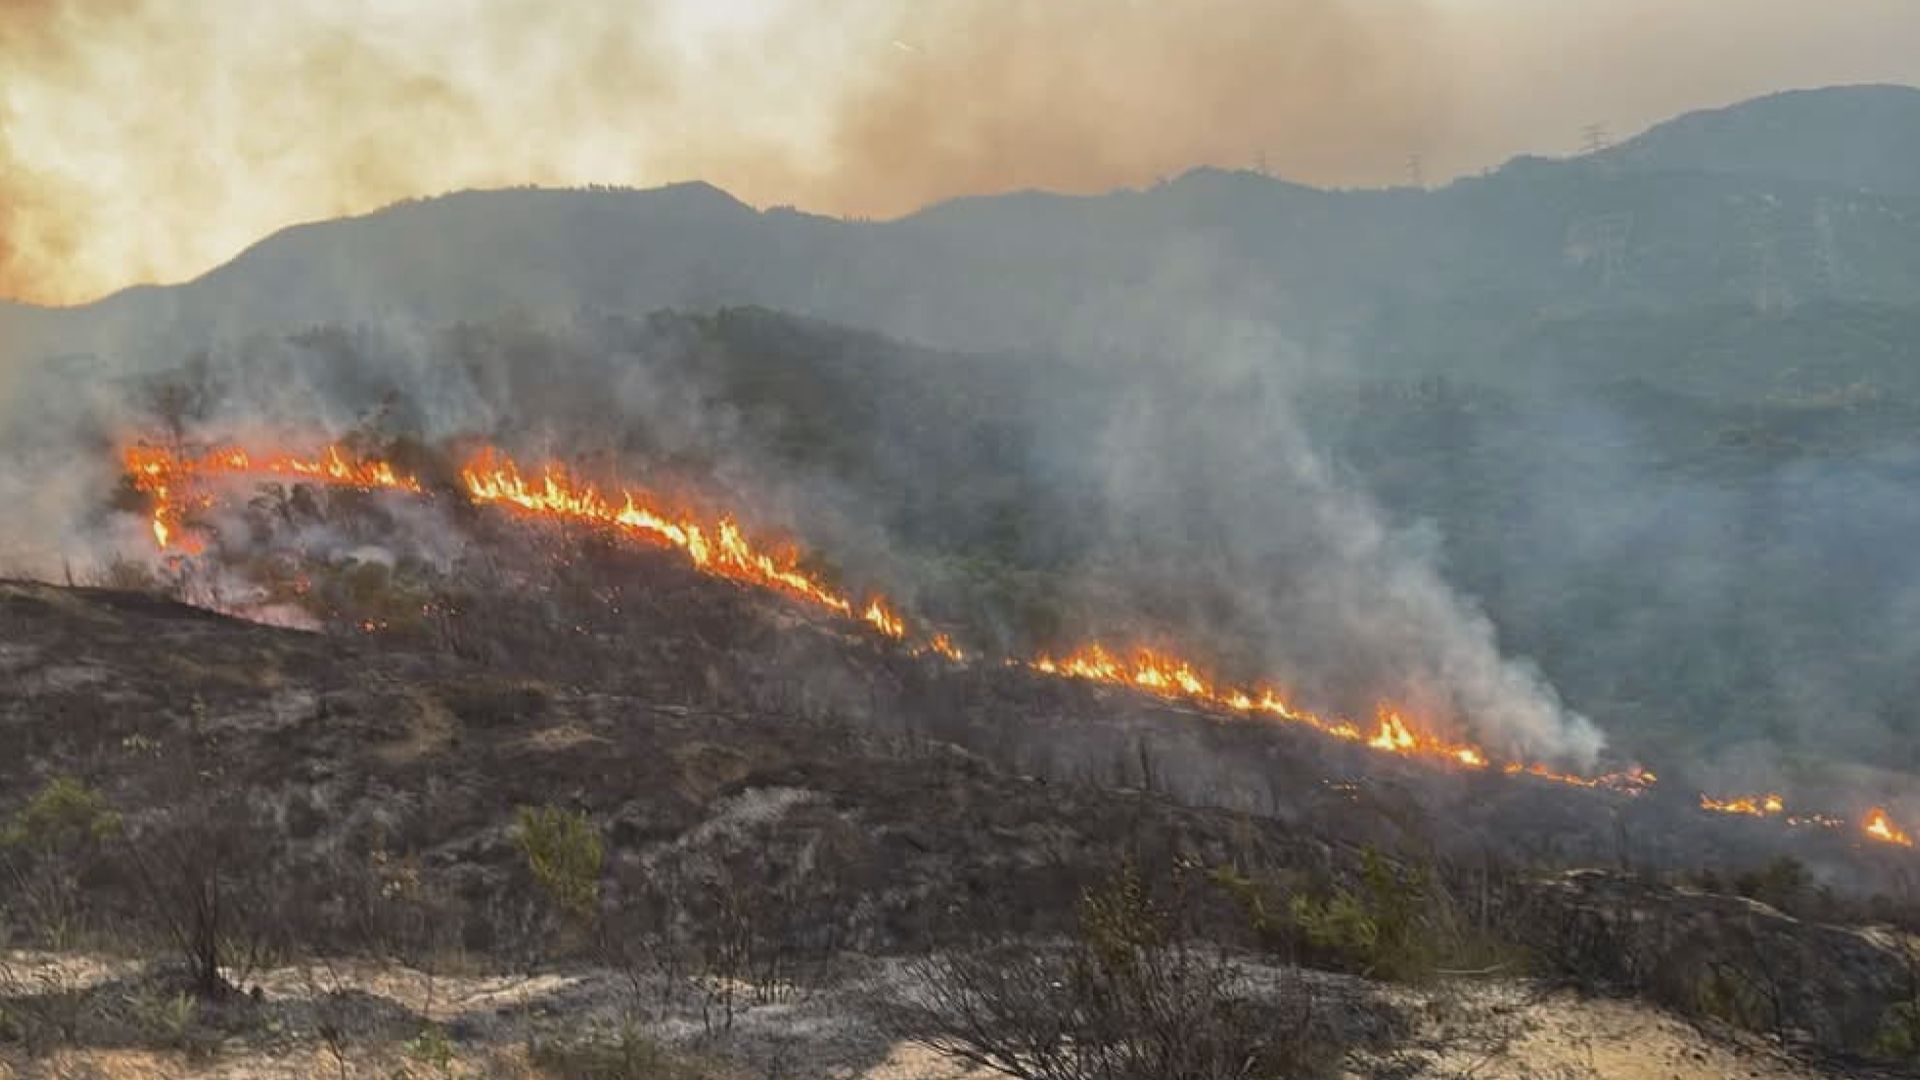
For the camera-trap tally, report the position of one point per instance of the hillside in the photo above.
(1712, 566)
(1689, 213)
(361, 794)
(1864, 138)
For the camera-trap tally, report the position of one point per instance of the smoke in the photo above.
(227, 120)
(146, 141)
(1223, 519)
(1083, 94)
(142, 141)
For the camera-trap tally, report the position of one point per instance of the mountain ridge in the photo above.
(1864, 138)
(694, 245)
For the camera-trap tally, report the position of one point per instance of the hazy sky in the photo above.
(143, 140)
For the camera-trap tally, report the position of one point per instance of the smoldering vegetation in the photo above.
(1029, 502)
(1648, 411)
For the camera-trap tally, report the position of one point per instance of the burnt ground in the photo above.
(759, 776)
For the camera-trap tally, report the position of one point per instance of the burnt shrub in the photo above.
(491, 703)
(1128, 997)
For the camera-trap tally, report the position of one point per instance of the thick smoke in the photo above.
(1214, 527)
(1207, 490)
(229, 119)
(142, 141)
(1227, 520)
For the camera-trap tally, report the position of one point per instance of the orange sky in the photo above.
(143, 141)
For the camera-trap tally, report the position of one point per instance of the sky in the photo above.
(149, 141)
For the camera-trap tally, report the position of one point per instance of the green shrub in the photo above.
(62, 816)
(166, 1019)
(1381, 930)
(1899, 1036)
(431, 1048)
(565, 853)
(1120, 919)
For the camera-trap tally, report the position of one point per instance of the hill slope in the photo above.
(1863, 138)
(1775, 201)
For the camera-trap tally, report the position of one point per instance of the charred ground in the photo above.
(759, 775)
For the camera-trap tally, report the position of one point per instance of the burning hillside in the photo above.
(181, 487)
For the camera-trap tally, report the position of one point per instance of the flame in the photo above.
(943, 645)
(1751, 805)
(1170, 676)
(717, 545)
(1772, 806)
(167, 478)
(1881, 827)
(883, 620)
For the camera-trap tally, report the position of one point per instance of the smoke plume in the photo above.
(142, 141)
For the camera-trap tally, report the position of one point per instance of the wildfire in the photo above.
(1751, 805)
(1881, 827)
(883, 620)
(1172, 677)
(942, 645)
(717, 545)
(1876, 824)
(167, 478)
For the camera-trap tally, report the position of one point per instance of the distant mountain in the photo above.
(1795, 198)
(1864, 138)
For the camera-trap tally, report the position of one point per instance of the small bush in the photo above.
(1128, 999)
(626, 1055)
(490, 704)
(565, 853)
(63, 815)
(127, 575)
(44, 848)
(1380, 930)
(432, 1049)
(1899, 1036)
(165, 1019)
(1780, 884)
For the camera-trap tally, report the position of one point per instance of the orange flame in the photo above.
(167, 477)
(719, 546)
(1169, 676)
(1881, 827)
(883, 620)
(943, 645)
(1750, 805)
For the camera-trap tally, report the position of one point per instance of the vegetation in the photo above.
(63, 815)
(1381, 929)
(565, 854)
(625, 1054)
(1130, 997)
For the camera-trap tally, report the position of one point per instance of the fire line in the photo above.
(720, 547)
